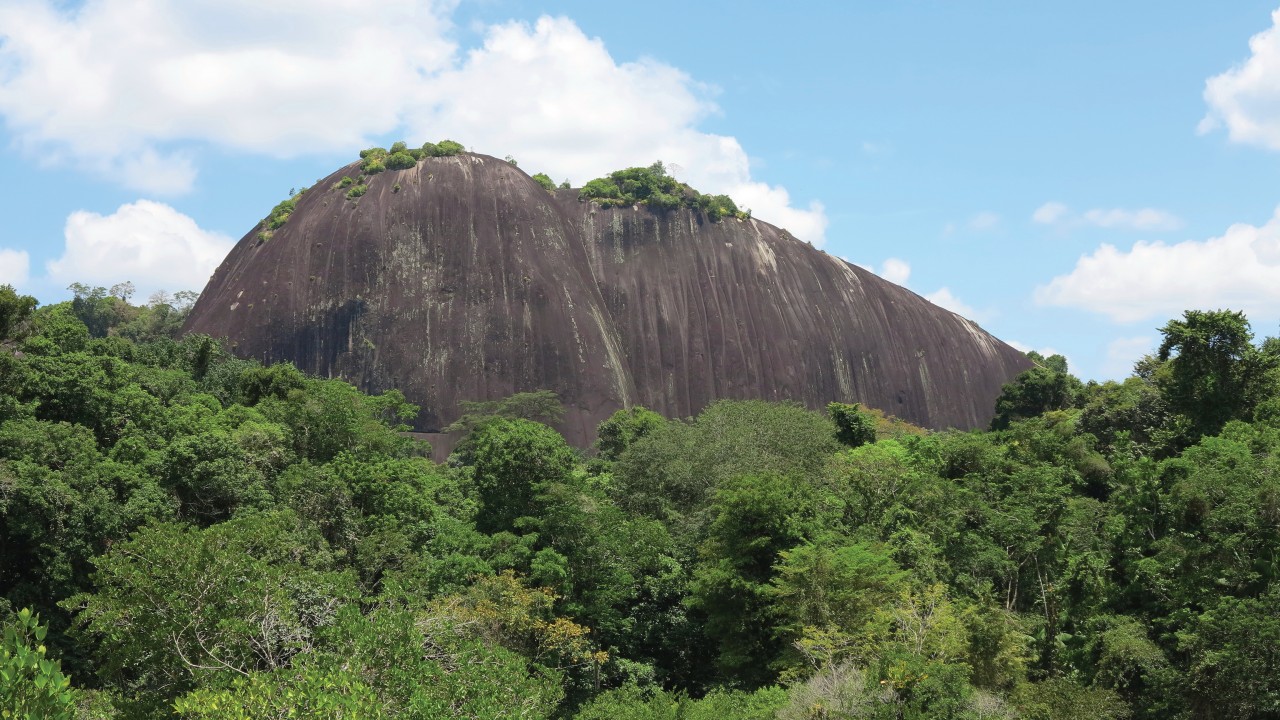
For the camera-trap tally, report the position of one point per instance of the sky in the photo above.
(1071, 176)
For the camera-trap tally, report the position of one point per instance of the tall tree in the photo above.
(1214, 371)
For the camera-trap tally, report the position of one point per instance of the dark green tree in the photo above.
(512, 461)
(1048, 386)
(1215, 372)
(853, 426)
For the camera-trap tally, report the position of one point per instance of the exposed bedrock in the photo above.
(463, 279)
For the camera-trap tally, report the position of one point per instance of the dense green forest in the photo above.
(185, 534)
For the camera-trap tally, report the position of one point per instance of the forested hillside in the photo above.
(184, 534)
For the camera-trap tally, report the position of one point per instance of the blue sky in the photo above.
(1070, 176)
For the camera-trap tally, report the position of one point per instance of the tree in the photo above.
(1235, 671)
(31, 685)
(1048, 386)
(623, 428)
(756, 518)
(175, 607)
(542, 406)
(512, 460)
(545, 181)
(853, 426)
(1215, 373)
(15, 311)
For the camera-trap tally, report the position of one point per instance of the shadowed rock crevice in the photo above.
(463, 279)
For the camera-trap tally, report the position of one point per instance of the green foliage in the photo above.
(541, 406)
(545, 181)
(15, 312)
(281, 212)
(346, 181)
(303, 692)
(512, 460)
(1045, 387)
(631, 702)
(444, 148)
(654, 187)
(623, 428)
(756, 518)
(1215, 373)
(853, 426)
(1233, 670)
(164, 614)
(32, 685)
(673, 470)
(211, 538)
(719, 206)
(357, 191)
(400, 160)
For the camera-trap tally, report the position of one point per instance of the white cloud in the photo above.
(1143, 219)
(112, 83)
(1246, 98)
(15, 267)
(1238, 270)
(1147, 219)
(1122, 353)
(1049, 213)
(284, 79)
(147, 243)
(895, 271)
(562, 105)
(984, 221)
(943, 297)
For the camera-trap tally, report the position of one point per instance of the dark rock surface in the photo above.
(463, 279)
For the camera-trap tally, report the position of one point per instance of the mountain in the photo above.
(462, 278)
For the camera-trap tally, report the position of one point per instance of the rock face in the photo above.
(463, 279)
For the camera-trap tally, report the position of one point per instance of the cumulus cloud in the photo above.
(147, 243)
(943, 297)
(567, 108)
(283, 79)
(1146, 219)
(895, 271)
(1049, 213)
(112, 83)
(1239, 270)
(1246, 98)
(15, 267)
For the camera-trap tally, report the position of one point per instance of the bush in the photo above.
(33, 686)
(373, 152)
(400, 161)
(718, 206)
(357, 191)
(545, 181)
(398, 146)
(444, 148)
(603, 192)
(372, 166)
(346, 181)
(663, 201)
